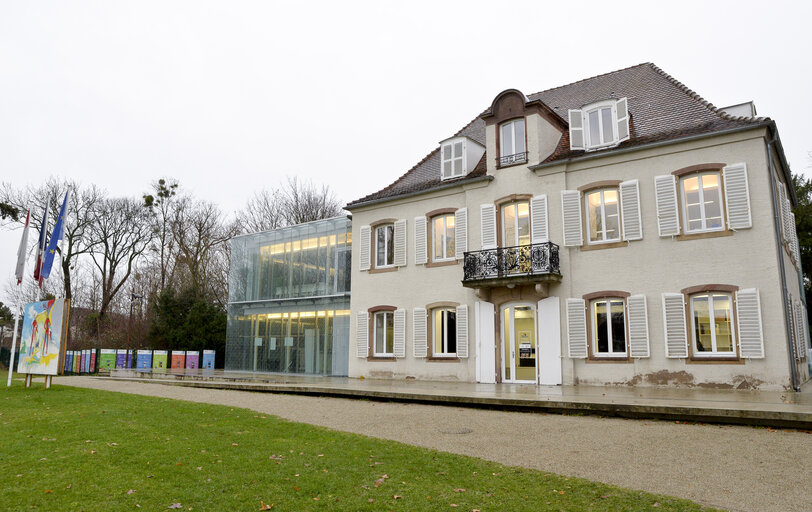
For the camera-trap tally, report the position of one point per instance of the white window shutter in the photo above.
(462, 331)
(793, 239)
(622, 112)
(665, 192)
(748, 311)
(419, 332)
(460, 232)
(400, 333)
(576, 129)
(737, 196)
(488, 212)
(800, 338)
(676, 337)
(806, 327)
(638, 326)
(571, 210)
(782, 206)
(400, 243)
(421, 251)
(630, 210)
(538, 219)
(362, 334)
(576, 328)
(366, 245)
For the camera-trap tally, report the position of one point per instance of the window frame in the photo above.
(714, 354)
(433, 238)
(514, 203)
(444, 310)
(515, 160)
(611, 354)
(588, 233)
(599, 106)
(387, 242)
(462, 158)
(684, 205)
(375, 315)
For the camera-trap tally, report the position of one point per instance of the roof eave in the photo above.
(360, 204)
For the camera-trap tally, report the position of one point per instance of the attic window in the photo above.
(453, 159)
(599, 125)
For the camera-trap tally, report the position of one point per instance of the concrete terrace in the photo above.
(786, 409)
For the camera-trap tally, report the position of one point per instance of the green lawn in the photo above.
(81, 449)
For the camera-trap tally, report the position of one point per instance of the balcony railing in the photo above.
(518, 158)
(504, 262)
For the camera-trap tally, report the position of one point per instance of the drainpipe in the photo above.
(785, 292)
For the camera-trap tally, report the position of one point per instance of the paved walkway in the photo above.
(733, 467)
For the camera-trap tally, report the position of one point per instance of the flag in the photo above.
(21, 251)
(43, 237)
(56, 237)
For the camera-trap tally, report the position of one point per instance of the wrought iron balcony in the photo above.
(503, 265)
(518, 158)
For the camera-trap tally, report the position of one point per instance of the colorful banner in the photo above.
(159, 359)
(107, 359)
(121, 358)
(144, 359)
(208, 360)
(68, 360)
(81, 361)
(178, 359)
(92, 361)
(75, 366)
(41, 345)
(192, 359)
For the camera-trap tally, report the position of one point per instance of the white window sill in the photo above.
(698, 231)
(601, 242)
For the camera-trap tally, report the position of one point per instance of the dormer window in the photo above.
(512, 143)
(599, 125)
(458, 157)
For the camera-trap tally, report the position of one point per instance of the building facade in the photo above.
(289, 300)
(617, 230)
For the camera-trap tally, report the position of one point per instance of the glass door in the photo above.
(519, 354)
(516, 238)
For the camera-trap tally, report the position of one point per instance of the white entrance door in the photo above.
(519, 347)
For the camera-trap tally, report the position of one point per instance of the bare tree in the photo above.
(120, 235)
(305, 202)
(162, 204)
(262, 212)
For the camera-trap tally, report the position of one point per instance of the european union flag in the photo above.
(56, 237)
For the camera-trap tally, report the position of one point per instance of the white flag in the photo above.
(22, 250)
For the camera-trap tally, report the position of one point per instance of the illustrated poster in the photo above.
(144, 359)
(192, 359)
(159, 359)
(42, 348)
(208, 360)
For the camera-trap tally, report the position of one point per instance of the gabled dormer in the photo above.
(520, 131)
(458, 156)
(603, 124)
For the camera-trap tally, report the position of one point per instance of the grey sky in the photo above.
(229, 97)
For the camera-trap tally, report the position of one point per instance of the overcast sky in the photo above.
(230, 97)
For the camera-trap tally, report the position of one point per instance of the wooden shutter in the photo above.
(576, 129)
(462, 331)
(676, 337)
(400, 243)
(630, 210)
(576, 328)
(748, 311)
(538, 219)
(421, 251)
(638, 326)
(362, 334)
(366, 245)
(400, 333)
(488, 212)
(419, 332)
(460, 232)
(665, 191)
(737, 196)
(571, 213)
(622, 114)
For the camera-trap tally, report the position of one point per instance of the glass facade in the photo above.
(289, 299)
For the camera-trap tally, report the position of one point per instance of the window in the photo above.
(443, 238)
(712, 324)
(384, 333)
(702, 202)
(600, 122)
(609, 327)
(385, 245)
(603, 215)
(452, 157)
(516, 224)
(512, 149)
(444, 332)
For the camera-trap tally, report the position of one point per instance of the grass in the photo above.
(77, 449)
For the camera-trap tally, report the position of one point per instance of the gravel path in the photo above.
(737, 468)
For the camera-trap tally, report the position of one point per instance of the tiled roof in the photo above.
(661, 109)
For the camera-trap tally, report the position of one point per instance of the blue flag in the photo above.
(56, 237)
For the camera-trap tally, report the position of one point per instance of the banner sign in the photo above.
(208, 360)
(192, 359)
(107, 359)
(178, 359)
(144, 359)
(159, 359)
(121, 358)
(92, 361)
(42, 348)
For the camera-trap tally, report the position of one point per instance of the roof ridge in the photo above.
(702, 101)
(425, 158)
(466, 126)
(590, 78)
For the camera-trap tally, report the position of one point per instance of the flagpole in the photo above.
(13, 341)
(20, 274)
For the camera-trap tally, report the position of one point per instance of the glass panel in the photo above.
(437, 237)
(713, 201)
(601, 328)
(608, 129)
(524, 348)
(693, 210)
(618, 327)
(524, 223)
(380, 320)
(437, 332)
(722, 323)
(702, 324)
(509, 225)
(380, 243)
(451, 331)
(519, 133)
(594, 128)
(390, 244)
(612, 215)
(390, 332)
(506, 364)
(450, 244)
(506, 140)
(593, 202)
